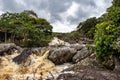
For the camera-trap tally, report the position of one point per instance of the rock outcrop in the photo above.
(90, 74)
(62, 55)
(23, 56)
(7, 49)
(77, 46)
(58, 42)
(88, 62)
(82, 53)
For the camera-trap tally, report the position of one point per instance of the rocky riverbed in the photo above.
(65, 62)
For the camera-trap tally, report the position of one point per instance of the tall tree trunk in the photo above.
(12, 38)
(5, 37)
(117, 63)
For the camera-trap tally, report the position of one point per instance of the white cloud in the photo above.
(44, 14)
(21, 2)
(64, 15)
(73, 9)
(62, 27)
(1, 12)
(101, 7)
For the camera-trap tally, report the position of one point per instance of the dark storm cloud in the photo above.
(87, 2)
(11, 5)
(65, 13)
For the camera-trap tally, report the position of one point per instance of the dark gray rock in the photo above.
(78, 47)
(23, 56)
(62, 55)
(19, 49)
(82, 54)
(89, 62)
(90, 74)
(7, 48)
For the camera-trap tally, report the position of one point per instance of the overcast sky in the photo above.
(64, 15)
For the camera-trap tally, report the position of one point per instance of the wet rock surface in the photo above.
(88, 62)
(78, 47)
(81, 54)
(23, 56)
(83, 64)
(85, 67)
(90, 74)
(58, 55)
(62, 55)
(7, 49)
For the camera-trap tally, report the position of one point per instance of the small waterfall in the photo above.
(36, 66)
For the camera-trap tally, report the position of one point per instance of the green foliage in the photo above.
(26, 26)
(116, 3)
(30, 13)
(107, 32)
(103, 41)
(87, 28)
(114, 15)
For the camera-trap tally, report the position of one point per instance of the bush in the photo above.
(105, 41)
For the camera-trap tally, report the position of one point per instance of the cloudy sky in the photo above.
(64, 15)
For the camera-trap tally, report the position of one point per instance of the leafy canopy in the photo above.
(26, 25)
(107, 32)
(87, 27)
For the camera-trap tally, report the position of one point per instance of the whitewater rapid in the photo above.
(36, 66)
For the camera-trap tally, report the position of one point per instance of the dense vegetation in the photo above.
(25, 29)
(87, 28)
(106, 34)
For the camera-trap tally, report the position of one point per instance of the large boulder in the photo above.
(62, 55)
(88, 62)
(82, 53)
(77, 46)
(90, 74)
(58, 42)
(23, 56)
(8, 48)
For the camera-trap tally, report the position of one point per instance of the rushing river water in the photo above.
(35, 67)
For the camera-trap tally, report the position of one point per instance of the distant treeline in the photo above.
(25, 29)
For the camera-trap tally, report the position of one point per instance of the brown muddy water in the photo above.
(39, 66)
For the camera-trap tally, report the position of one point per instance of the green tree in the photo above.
(24, 26)
(106, 35)
(87, 28)
(116, 3)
